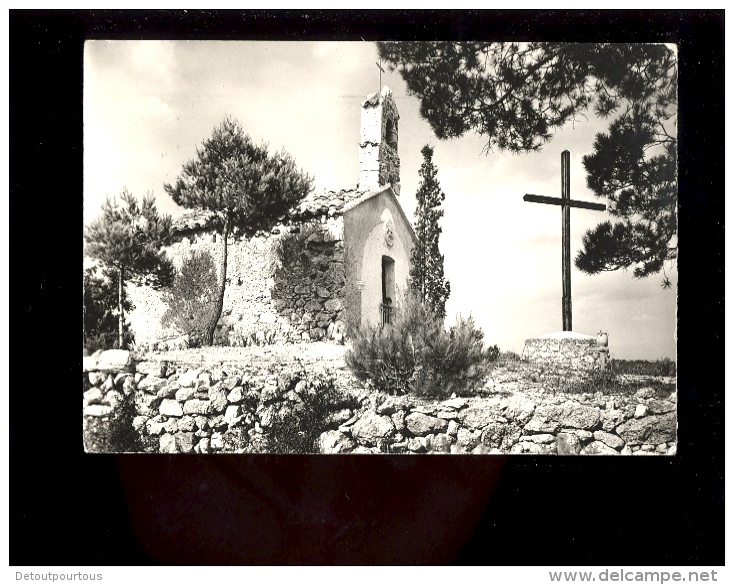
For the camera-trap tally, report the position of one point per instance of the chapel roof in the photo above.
(316, 204)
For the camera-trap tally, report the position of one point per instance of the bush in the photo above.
(297, 430)
(100, 311)
(416, 354)
(661, 367)
(192, 299)
(113, 434)
(454, 362)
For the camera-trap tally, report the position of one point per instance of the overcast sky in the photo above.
(149, 104)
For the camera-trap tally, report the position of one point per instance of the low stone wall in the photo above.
(566, 350)
(238, 410)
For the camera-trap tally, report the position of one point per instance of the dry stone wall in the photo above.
(205, 410)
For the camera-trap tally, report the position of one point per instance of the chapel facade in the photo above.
(339, 259)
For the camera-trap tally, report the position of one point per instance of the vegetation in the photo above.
(426, 269)
(192, 298)
(100, 321)
(661, 367)
(416, 354)
(517, 94)
(113, 434)
(127, 240)
(297, 429)
(609, 383)
(244, 186)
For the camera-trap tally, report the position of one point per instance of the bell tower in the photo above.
(379, 164)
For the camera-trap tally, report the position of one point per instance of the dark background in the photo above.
(68, 508)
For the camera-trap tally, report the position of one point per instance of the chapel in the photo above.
(339, 259)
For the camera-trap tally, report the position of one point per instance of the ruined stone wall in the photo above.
(238, 409)
(285, 285)
(575, 353)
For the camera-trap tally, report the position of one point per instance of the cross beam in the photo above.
(566, 204)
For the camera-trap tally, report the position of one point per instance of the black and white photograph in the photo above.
(366, 287)
(393, 247)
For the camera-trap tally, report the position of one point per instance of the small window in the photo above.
(391, 135)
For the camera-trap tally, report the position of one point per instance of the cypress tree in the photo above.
(426, 272)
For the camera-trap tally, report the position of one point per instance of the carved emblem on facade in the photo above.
(389, 232)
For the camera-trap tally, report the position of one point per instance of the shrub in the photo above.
(289, 250)
(454, 362)
(661, 367)
(416, 354)
(113, 434)
(297, 430)
(100, 311)
(192, 299)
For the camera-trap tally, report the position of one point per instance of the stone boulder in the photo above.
(393, 404)
(169, 390)
(152, 384)
(335, 442)
(568, 444)
(116, 360)
(93, 396)
(170, 408)
(233, 414)
(167, 444)
(184, 394)
(218, 398)
(372, 427)
(97, 410)
(609, 439)
(598, 448)
(186, 423)
(422, 424)
(184, 441)
(440, 443)
(197, 407)
(147, 404)
(189, 378)
(542, 424)
(654, 429)
(610, 419)
(97, 378)
(660, 406)
(477, 417)
(570, 414)
(518, 408)
(235, 396)
(467, 439)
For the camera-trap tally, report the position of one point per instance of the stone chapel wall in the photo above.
(286, 285)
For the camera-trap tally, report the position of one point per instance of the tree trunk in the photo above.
(120, 313)
(212, 325)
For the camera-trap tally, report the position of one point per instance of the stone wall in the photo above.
(568, 350)
(238, 410)
(285, 285)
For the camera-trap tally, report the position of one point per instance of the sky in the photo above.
(149, 104)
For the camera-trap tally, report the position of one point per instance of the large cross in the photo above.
(566, 204)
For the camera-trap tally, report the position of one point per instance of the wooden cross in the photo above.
(566, 204)
(379, 66)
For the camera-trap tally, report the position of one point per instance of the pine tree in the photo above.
(245, 188)
(517, 94)
(426, 272)
(128, 239)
